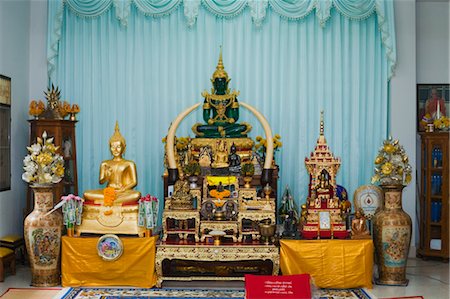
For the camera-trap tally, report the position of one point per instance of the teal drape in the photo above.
(145, 73)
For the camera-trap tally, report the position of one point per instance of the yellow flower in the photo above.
(277, 136)
(379, 160)
(44, 159)
(387, 168)
(389, 148)
(258, 138)
(164, 140)
(408, 178)
(51, 148)
(58, 170)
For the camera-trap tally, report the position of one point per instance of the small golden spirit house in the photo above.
(324, 216)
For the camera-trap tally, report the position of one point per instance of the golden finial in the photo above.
(321, 123)
(117, 136)
(220, 69)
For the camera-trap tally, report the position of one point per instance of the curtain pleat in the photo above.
(144, 74)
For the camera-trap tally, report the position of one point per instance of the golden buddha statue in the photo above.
(113, 209)
(118, 173)
(220, 155)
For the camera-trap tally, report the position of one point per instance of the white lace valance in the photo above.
(290, 9)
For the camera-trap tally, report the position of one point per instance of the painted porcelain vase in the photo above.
(392, 237)
(43, 238)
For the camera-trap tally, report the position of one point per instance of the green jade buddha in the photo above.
(221, 109)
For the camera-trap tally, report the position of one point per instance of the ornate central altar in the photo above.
(209, 213)
(324, 216)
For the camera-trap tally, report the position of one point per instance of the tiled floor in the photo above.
(429, 279)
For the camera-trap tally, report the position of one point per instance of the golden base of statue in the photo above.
(97, 219)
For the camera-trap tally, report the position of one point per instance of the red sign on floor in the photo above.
(269, 287)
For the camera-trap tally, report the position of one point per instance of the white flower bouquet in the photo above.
(43, 166)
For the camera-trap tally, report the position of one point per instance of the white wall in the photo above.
(403, 98)
(433, 36)
(38, 49)
(14, 63)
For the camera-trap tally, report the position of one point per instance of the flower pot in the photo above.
(43, 239)
(392, 237)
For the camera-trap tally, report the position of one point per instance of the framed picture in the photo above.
(5, 90)
(324, 220)
(432, 99)
(368, 198)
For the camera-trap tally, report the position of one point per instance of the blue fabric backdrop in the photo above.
(145, 73)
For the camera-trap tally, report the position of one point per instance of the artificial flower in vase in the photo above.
(392, 225)
(148, 213)
(192, 171)
(43, 167)
(247, 171)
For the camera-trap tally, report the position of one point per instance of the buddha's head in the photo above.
(117, 143)
(233, 148)
(220, 77)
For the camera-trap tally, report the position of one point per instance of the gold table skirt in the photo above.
(332, 263)
(81, 265)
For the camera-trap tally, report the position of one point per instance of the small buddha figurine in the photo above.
(181, 198)
(359, 227)
(221, 155)
(234, 160)
(118, 173)
(220, 193)
(220, 109)
(290, 225)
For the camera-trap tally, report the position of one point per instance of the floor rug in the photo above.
(30, 293)
(172, 293)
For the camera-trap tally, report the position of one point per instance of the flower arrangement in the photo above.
(64, 109)
(43, 165)
(392, 167)
(36, 108)
(247, 169)
(75, 109)
(442, 123)
(260, 147)
(148, 211)
(72, 210)
(192, 168)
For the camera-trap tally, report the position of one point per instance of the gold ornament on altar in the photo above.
(391, 164)
(43, 165)
(322, 202)
(56, 109)
(36, 108)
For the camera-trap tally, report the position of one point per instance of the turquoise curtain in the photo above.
(145, 73)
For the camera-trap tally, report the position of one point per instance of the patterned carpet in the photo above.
(131, 293)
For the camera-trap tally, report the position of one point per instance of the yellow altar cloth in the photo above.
(81, 265)
(332, 263)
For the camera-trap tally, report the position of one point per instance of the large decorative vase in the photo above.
(43, 238)
(392, 237)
